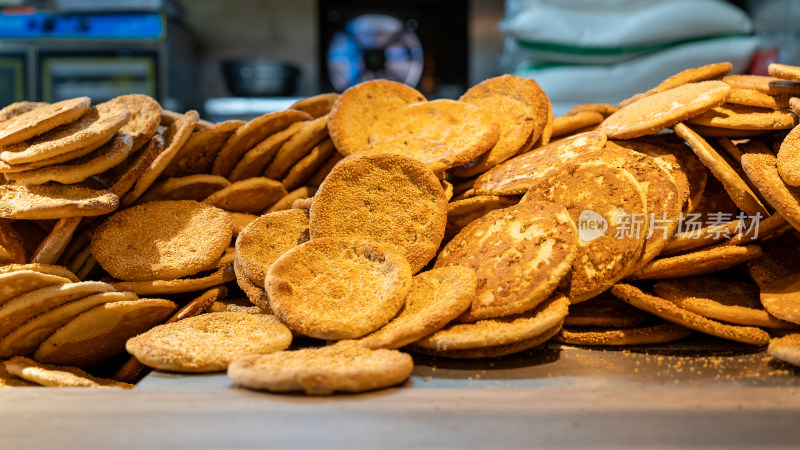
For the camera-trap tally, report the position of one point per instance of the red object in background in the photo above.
(21, 10)
(762, 59)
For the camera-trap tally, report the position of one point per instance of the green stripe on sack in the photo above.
(554, 47)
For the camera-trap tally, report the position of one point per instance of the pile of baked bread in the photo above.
(312, 249)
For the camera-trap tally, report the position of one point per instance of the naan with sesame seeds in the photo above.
(610, 209)
(520, 255)
(209, 342)
(388, 198)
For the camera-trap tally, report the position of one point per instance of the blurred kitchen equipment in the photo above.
(260, 77)
(422, 43)
(69, 52)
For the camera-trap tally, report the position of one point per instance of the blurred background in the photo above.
(242, 58)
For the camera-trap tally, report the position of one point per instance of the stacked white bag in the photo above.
(603, 51)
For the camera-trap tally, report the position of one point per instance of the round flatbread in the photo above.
(436, 156)
(388, 198)
(715, 203)
(200, 304)
(22, 308)
(521, 110)
(338, 288)
(743, 117)
(786, 348)
(161, 240)
(131, 370)
(547, 132)
(258, 158)
(696, 239)
(22, 281)
(316, 106)
(772, 227)
(254, 292)
(169, 117)
(55, 160)
(267, 238)
(768, 85)
(226, 259)
(57, 376)
(502, 331)
(494, 351)
(688, 173)
(605, 310)
(250, 134)
(739, 191)
(697, 263)
(240, 221)
(287, 200)
(52, 246)
(762, 170)
(782, 298)
(609, 207)
(101, 332)
(326, 168)
(655, 334)
(516, 176)
(663, 204)
(605, 109)
(461, 213)
(752, 97)
(133, 168)
(675, 314)
(54, 201)
(303, 203)
(322, 371)
(25, 339)
(12, 249)
(519, 253)
(191, 187)
(436, 297)
(17, 108)
(778, 260)
(359, 107)
(664, 109)
(572, 123)
(93, 129)
(6, 379)
(300, 172)
(252, 196)
(40, 120)
(109, 155)
(693, 75)
(717, 132)
(198, 153)
(784, 71)
(175, 137)
(467, 130)
(190, 284)
(238, 305)
(51, 269)
(209, 342)
(716, 298)
(297, 147)
(789, 158)
(144, 120)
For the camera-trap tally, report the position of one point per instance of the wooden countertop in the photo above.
(702, 392)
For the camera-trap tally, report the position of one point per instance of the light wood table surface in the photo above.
(703, 393)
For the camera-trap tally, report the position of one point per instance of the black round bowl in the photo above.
(260, 77)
